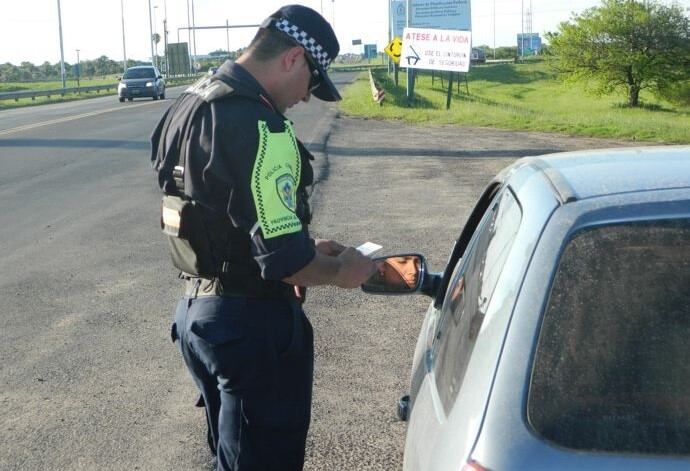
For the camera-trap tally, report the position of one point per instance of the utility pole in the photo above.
(189, 40)
(153, 58)
(531, 37)
(78, 68)
(62, 53)
(124, 50)
(522, 28)
(194, 30)
(227, 35)
(165, 44)
(165, 34)
(154, 36)
(390, 22)
(494, 29)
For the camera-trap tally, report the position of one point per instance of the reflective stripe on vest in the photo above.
(275, 177)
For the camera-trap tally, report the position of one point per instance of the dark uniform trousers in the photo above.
(253, 362)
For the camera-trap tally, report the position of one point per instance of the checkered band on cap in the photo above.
(309, 43)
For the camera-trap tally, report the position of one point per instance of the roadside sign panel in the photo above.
(370, 51)
(178, 59)
(436, 49)
(441, 14)
(393, 49)
(528, 44)
(437, 14)
(398, 17)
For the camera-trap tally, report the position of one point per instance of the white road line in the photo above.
(69, 118)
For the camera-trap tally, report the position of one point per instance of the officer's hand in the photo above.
(354, 269)
(328, 247)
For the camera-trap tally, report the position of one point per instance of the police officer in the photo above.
(236, 213)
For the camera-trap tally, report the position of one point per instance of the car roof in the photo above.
(593, 173)
(141, 67)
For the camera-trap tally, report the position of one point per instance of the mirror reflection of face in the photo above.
(399, 273)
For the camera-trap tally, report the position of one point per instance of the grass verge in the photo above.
(521, 97)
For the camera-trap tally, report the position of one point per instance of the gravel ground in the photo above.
(408, 188)
(89, 378)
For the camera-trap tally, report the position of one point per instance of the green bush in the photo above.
(677, 93)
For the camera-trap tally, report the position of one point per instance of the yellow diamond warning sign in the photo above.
(393, 49)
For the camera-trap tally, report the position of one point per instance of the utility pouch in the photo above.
(184, 225)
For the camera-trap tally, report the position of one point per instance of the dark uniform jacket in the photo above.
(246, 169)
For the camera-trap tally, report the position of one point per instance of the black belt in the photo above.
(233, 287)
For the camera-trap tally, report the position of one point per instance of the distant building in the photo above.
(528, 44)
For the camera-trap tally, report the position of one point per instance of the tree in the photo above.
(105, 66)
(506, 52)
(9, 73)
(625, 44)
(47, 70)
(88, 69)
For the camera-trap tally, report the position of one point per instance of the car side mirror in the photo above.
(119, 79)
(160, 77)
(397, 274)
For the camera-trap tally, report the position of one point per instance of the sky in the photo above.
(29, 29)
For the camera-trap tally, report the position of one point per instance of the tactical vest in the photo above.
(203, 242)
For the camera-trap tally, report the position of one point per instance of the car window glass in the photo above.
(611, 370)
(471, 227)
(470, 292)
(139, 73)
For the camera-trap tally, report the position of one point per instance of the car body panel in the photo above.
(622, 170)
(506, 440)
(457, 430)
(558, 196)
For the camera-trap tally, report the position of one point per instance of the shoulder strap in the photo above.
(211, 89)
(208, 90)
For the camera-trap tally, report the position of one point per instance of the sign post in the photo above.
(450, 90)
(410, 71)
(357, 42)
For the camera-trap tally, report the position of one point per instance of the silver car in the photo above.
(559, 332)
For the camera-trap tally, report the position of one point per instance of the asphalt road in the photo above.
(88, 376)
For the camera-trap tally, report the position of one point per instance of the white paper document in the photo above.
(369, 248)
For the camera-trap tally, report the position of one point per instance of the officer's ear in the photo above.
(292, 58)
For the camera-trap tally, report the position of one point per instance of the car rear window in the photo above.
(139, 73)
(612, 365)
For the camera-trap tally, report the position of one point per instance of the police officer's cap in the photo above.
(308, 28)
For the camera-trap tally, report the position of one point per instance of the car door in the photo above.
(451, 339)
(429, 326)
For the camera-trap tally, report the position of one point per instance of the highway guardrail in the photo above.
(54, 92)
(377, 91)
(16, 96)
